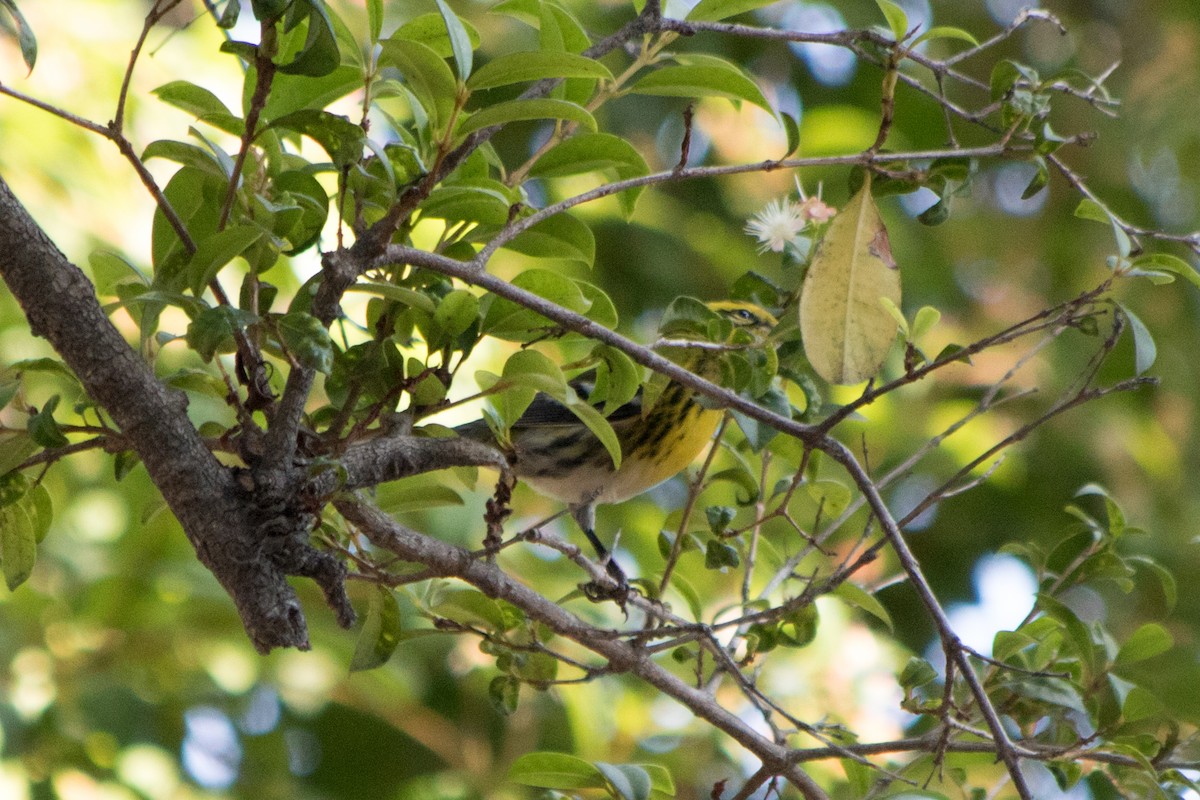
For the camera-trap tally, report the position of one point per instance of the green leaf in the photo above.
(400, 294)
(212, 331)
(18, 545)
(630, 781)
(307, 193)
(1078, 633)
(1144, 348)
(319, 55)
(457, 312)
(460, 41)
(468, 204)
(555, 771)
(307, 340)
(43, 428)
(535, 65)
(506, 319)
(618, 379)
(792, 128)
(600, 427)
(504, 692)
(833, 495)
(1090, 209)
(375, 19)
(186, 154)
(14, 449)
(858, 597)
(713, 10)
(524, 110)
(416, 495)
(719, 555)
(217, 250)
(470, 606)
(40, 509)
(896, 18)
(847, 330)
(719, 518)
(337, 135)
(15, 25)
(1167, 263)
(534, 370)
(202, 103)
(426, 74)
(559, 236)
(916, 673)
(1039, 179)
(1148, 641)
(196, 196)
(589, 152)
(927, 317)
(110, 268)
(380, 632)
(711, 78)
(945, 32)
(430, 30)
(1141, 704)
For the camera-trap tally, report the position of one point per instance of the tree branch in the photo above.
(238, 538)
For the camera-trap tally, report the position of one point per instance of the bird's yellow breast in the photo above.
(654, 448)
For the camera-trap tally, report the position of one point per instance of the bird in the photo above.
(553, 452)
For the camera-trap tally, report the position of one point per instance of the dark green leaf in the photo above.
(719, 555)
(504, 692)
(307, 340)
(212, 331)
(380, 632)
(319, 56)
(43, 428)
(337, 135)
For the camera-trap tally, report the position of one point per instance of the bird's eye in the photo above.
(744, 314)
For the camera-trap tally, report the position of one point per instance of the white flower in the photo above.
(777, 225)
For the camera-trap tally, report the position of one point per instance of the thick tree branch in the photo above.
(225, 523)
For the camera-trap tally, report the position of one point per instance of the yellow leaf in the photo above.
(846, 325)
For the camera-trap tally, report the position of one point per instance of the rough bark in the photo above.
(235, 534)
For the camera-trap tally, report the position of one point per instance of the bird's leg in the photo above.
(585, 515)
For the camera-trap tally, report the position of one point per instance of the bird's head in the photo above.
(753, 319)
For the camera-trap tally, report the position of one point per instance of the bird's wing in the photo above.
(546, 411)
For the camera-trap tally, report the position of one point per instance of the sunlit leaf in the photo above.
(847, 330)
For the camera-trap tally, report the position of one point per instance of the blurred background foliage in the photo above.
(124, 670)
